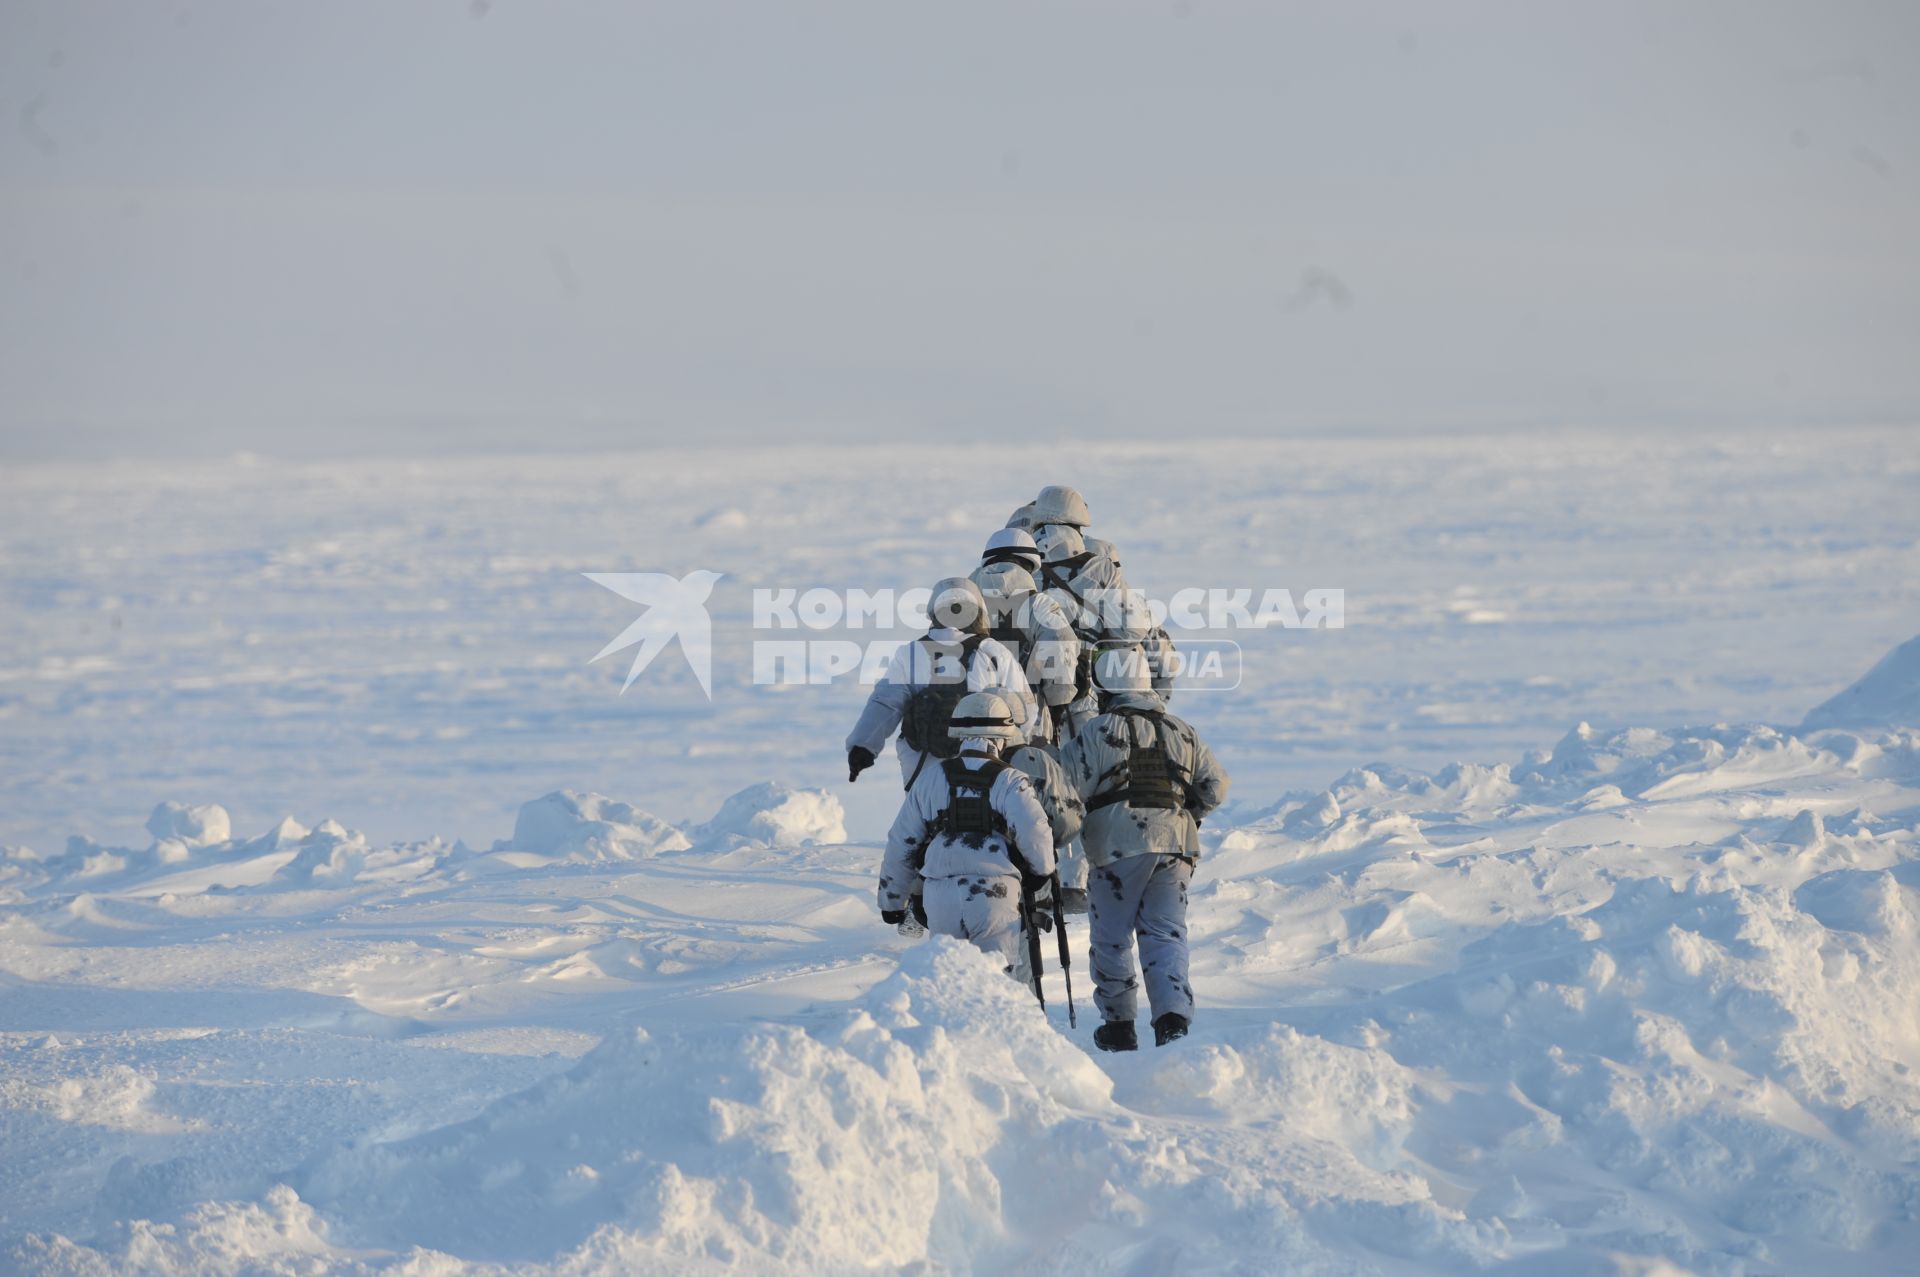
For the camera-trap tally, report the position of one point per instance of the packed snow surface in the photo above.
(1644, 998)
(1612, 994)
(406, 645)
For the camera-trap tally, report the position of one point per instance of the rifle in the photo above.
(1031, 925)
(1066, 954)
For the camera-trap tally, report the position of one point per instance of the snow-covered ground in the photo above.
(1568, 981)
(405, 646)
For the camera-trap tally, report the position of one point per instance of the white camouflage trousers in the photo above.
(1141, 896)
(985, 910)
(1072, 860)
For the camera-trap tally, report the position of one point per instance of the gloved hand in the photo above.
(893, 917)
(859, 758)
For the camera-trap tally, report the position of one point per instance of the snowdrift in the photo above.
(582, 828)
(1887, 696)
(194, 848)
(1641, 1002)
(942, 1116)
(587, 827)
(776, 815)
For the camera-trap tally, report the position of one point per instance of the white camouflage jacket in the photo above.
(1096, 761)
(1059, 796)
(917, 846)
(1052, 645)
(992, 669)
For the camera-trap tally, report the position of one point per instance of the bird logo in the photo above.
(676, 608)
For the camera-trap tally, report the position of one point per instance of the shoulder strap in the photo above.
(1067, 568)
(969, 644)
(959, 775)
(1059, 575)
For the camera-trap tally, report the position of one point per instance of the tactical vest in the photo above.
(969, 813)
(1151, 780)
(1015, 640)
(930, 708)
(1087, 623)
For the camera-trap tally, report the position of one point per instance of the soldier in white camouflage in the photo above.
(957, 655)
(972, 838)
(1029, 623)
(1147, 780)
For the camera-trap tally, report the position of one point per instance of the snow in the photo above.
(1886, 696)
(1451, 1020)
(189, 826)
(404, 645)
(775, 814)
(1578, 982)
(578, 827)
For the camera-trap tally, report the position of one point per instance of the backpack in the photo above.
(930, 708)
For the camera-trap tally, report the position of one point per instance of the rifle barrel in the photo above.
(1066, 953)
(1031, 925)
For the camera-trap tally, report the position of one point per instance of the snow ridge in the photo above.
(1642, 1002)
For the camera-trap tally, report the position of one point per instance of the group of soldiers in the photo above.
(1043, 772)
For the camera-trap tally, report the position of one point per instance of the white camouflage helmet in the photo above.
(1122, 669)
(1057, 504)
(1010, 580)
(1008, 590)
(1023, 518)
(1059, 541)
(1012, 545)
(957, 604)
(984, 716)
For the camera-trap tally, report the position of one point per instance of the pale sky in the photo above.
(339, 227)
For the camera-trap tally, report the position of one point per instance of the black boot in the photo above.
(1116, 1035)
(1169, 1027)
